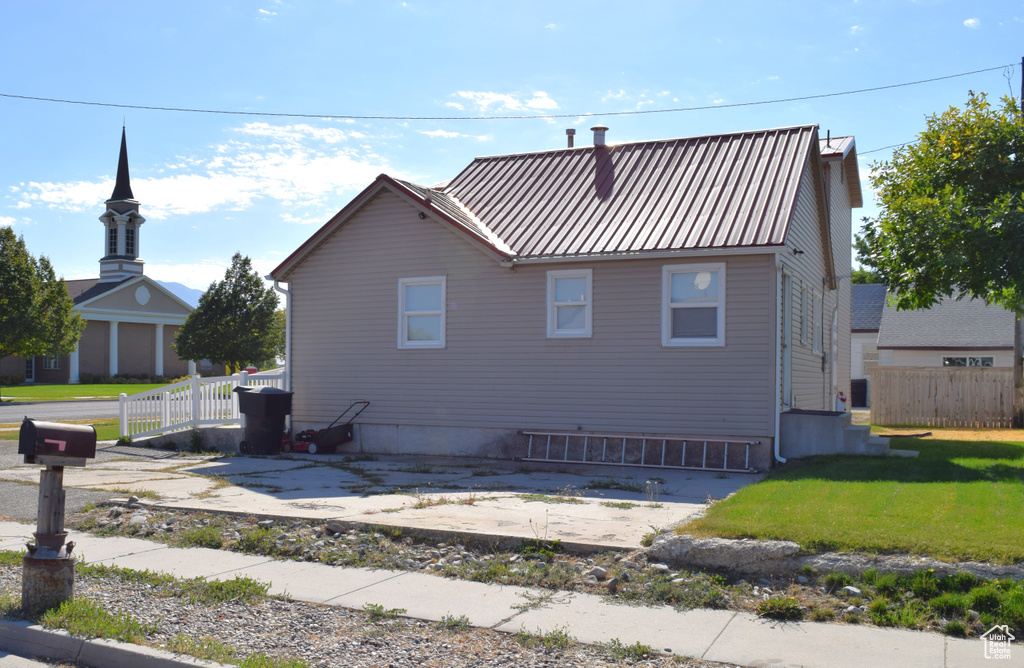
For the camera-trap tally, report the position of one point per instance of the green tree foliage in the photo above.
(952, 218)
(36, 313)
(864, 276)
(234, 323)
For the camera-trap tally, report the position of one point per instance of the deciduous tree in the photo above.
(952, 215)
(36, 313)
(234, 323)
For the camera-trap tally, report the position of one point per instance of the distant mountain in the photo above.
(186, 294)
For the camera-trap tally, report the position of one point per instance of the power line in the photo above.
(496, 118)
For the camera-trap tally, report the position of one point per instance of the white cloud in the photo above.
(855, 29)
(454, 105)
(22, 205)
(973, 23)
(296, 165)
(505, 102)
(266, 13)
(445, 134)
(610, 95)
(6, 221)
(718, 100)
(441, 133)
(551, 26)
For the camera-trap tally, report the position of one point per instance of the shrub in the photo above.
(985, 599)
(954, 628)
(780, 607)
(834, 581)
(207, 536)
(949, 605)
(12, 379)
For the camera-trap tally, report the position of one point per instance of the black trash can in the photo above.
(265, 409)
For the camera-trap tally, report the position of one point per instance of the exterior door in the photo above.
(30, 370)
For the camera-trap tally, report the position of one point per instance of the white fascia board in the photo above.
(131, 316)
(705, 253)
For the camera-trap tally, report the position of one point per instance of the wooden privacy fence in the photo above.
(942, 397)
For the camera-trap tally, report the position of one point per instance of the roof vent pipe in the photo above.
(599, 131)
(569, 135)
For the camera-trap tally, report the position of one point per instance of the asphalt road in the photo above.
(55, 411)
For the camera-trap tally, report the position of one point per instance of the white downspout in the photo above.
(287, 333)
(780, 298)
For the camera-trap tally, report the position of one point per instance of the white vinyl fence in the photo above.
(196, 402)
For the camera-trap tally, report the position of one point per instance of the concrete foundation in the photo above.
(222, 439)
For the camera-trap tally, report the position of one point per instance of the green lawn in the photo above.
(961, 499)
(68, 392)
(106, 430)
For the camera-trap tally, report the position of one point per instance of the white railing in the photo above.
(196, 402)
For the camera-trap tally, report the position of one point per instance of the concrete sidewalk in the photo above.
(735, 638)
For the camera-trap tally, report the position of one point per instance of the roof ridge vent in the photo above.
(599, 131)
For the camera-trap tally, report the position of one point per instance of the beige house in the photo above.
(693, 287)
(131, 319)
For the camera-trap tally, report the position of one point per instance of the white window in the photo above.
(51, 362)
(421, 312)
(693, 305)
(967, 361)
(805, 332)
(570, 307)
(817, 323)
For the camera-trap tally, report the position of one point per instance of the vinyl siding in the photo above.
(841, 218)
(499, 370)
(807, 271)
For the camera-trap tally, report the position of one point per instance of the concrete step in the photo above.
(877, 445)
(904, 453)
(855, 436)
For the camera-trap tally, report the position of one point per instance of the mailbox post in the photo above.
(48, 570)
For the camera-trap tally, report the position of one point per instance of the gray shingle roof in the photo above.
(967, 323)
(867, 302)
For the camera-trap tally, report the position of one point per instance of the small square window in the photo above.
(570, 303)
(693, 305)
(51, 362)
(421, 312)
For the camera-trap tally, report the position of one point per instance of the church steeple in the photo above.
(121, 223)
(123, 185)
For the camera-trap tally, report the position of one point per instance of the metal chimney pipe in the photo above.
(599, 131)
(569, 135)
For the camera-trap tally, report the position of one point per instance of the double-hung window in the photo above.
(421, 312)
(570, 304)
(693, 305)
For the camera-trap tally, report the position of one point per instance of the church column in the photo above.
(73, 367)
(113, 347)
(159, 371)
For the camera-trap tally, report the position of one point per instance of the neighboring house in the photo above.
(131, 319)
(953, 333)
(694, 287)
(867, 304)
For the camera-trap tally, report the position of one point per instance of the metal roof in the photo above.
(952, 323)
(866, 303)
(716, 191)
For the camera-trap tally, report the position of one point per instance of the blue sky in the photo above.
(212, 184)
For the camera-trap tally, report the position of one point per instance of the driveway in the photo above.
(594, 506)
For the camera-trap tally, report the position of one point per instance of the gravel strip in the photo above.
(324, 636)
